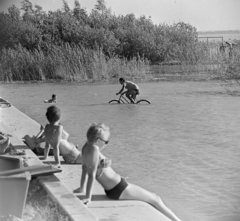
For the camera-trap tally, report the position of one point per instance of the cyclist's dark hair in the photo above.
(54, 95)
(53, 114)
(121, 79)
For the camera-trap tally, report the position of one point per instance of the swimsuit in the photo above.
(70, 157)
(116, 191)
(103, 163)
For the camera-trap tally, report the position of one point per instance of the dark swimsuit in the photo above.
(116, 191)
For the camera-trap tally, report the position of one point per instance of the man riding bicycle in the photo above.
(132, 90)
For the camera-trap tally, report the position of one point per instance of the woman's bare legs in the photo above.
(134, 192)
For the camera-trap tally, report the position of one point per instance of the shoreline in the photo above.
(153, 77)
(60, 186)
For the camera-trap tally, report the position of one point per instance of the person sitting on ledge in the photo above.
(53, 100)
(56, 137)
(97, 167)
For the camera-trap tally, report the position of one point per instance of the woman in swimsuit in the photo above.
(97, 167)
(56, 137)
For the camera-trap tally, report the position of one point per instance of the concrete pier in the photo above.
(60, 186)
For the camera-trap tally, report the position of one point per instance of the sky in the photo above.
(205, 15)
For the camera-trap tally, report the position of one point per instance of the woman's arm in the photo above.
(83, 179)
(46, 150)
(81, 189)
(47, 144)
(56, 151)
(91, 167)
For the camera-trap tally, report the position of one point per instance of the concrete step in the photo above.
(61, 185)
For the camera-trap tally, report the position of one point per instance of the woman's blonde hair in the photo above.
(96, 131)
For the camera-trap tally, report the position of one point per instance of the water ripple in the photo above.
(184, 146)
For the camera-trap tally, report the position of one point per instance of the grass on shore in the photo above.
(72, 63)
(40, 207)
(67, 63)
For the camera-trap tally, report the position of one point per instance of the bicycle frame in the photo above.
(122, 99)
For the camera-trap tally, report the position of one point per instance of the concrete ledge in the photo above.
(113, 210)
(68, 201)
(61, 185)
(17, 124)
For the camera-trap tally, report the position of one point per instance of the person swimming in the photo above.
(52, 100)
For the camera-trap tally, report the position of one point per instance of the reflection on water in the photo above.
(184, 146)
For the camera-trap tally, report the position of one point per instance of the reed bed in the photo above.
(230, 73)
(209, 63)
(74, 63)
(67, 63)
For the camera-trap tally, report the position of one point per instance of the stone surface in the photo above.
(61, 185)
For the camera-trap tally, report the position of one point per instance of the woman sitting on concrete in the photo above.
(97, 166)
(56, 137)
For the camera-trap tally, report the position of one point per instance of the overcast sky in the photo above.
(205, 15)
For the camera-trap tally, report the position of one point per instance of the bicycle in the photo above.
(124, 100)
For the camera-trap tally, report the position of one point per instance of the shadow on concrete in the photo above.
(100, 197)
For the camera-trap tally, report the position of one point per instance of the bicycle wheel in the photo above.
(114, 102)
(143, 101)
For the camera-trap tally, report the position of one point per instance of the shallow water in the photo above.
(184, 146)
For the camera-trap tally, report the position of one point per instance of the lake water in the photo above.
(185, 146)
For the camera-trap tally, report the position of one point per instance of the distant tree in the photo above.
(30, 37)
(27, 8)
(100, 16)
(101, 7)
(79, 13)
(39, 14)
(14, 13)
(66, 7)
(185, 37)
(125, 36)
(10, 31)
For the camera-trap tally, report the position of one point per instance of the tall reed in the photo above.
(67, 62)
(230, 72)
(208, 60)
(78, 64)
